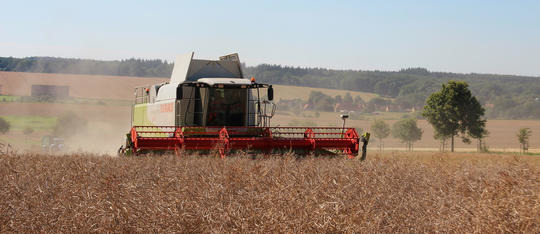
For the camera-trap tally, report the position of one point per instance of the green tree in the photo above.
(348, 100)
(523, 138)
(453, 110)
(478, 131)
(359, 101)
(380, 130)
(4, 126)
(338, 99)
(370, 108)
(407, 131)
(320, 101)
(442, 138)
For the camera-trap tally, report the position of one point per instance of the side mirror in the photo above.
(179, 93)
(270, 93)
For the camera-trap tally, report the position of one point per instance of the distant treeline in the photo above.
(504, 96)
(128, 67)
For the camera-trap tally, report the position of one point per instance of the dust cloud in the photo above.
(103, 101)
(98, 138)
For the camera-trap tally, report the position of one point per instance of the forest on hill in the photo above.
(504, 96)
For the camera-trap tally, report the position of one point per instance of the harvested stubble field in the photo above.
(420, 192)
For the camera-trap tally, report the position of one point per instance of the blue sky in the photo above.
(501, 37)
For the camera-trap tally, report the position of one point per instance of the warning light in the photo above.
(252, 79)
(147, 90)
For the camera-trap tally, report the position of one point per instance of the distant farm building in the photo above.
(57, 91)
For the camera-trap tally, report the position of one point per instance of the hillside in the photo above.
(292, 92)
(109, 121)
(81, 86)
(505, 96)
(121, 87)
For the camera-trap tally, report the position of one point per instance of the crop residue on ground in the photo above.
(400, 193)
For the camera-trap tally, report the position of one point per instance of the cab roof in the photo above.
(224, 81)
(187, 69)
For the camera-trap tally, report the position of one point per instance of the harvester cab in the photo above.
(204, 93)
(208, 104)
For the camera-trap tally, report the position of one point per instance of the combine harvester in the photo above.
(208, 104)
